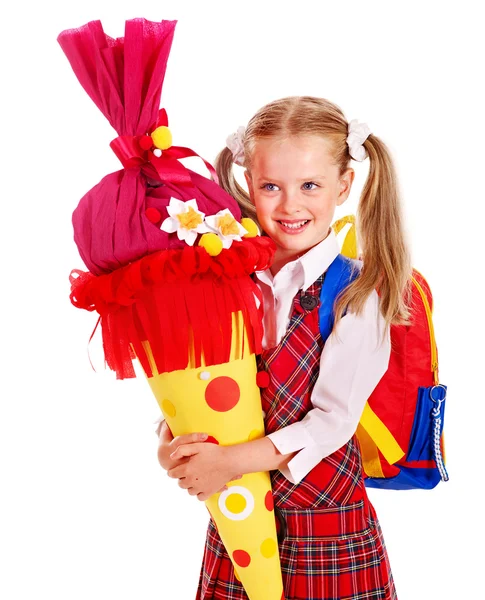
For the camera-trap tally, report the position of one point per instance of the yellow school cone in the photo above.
(224, 401)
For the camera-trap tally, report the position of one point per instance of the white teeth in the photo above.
(294, 225)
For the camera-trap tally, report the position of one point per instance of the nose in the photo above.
(289, 203)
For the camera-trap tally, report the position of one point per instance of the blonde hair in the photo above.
(386, 260)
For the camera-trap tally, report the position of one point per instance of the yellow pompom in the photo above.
(162, 137)
(251, 228)
(212, 243)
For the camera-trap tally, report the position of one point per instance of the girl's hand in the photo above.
(168, 444)
(206, 470)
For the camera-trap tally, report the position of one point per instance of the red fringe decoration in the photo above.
(180, 301)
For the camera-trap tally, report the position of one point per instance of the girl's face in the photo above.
(295, 188)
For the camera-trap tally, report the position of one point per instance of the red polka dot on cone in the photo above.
(222, 394)
(212, 440)
(241, 558)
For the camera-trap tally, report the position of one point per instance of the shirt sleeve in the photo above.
(354, 359)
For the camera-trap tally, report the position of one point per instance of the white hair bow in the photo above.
(235, 143)
(357, 134)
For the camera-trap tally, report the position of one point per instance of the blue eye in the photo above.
(270, 187)
(308, 183)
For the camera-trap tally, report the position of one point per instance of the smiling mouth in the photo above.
(294, 225)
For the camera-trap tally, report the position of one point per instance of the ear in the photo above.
(249, 181)
(345, 185)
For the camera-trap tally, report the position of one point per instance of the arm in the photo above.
(354, 359)
(204, 469)
(257, 455)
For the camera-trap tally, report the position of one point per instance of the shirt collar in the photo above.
(311, 265)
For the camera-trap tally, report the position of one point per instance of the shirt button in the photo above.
(308, 302)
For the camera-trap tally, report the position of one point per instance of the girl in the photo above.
(297, 153)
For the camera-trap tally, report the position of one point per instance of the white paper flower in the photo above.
(226, 227)
(185, 219)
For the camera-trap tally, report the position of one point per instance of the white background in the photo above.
(86, 512)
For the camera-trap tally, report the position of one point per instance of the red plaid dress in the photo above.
(331, 544)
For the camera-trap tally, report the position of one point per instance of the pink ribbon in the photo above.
(131, 154)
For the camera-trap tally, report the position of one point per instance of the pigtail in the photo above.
(224, 168)
(386, 259)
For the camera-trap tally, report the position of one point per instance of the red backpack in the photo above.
(401, 429)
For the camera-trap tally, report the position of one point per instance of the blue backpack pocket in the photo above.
(430, 408)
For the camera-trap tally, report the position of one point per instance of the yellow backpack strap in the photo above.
(349, 247)
(380, 435)
(371, 462)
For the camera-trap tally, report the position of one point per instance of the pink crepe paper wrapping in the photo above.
(124, 78)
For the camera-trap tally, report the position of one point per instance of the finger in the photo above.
(202, 496)
(184, 484)
(177, 472)
(236, 478)
(185, 450)
(223, 489)
(188, 438)
(192, 491)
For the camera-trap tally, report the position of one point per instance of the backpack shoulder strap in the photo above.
(338, 276)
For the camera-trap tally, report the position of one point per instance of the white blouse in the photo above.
(354, 358)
